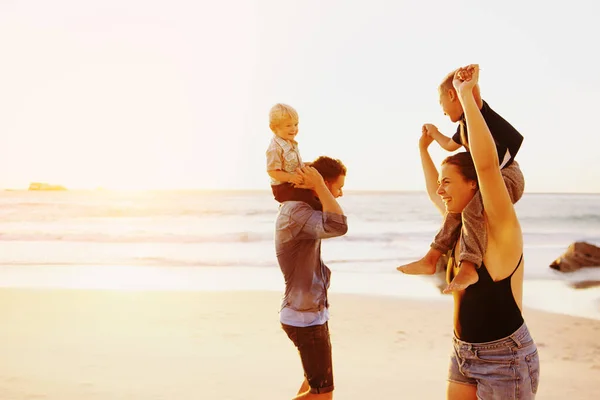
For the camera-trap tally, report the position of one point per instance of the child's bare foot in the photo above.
(425, 266)
(466, 276)
(421, 267)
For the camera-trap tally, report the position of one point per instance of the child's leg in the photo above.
(474, 233)
(473, 243)
(448, 233)
(287, 192)
(514, 181)
(282, 192)
(443, 241)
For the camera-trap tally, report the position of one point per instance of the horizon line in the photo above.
(246, 190)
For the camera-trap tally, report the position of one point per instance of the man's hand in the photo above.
(296, 179)
(466, 78)
(311, 177)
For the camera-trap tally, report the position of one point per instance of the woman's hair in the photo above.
(464, 162)
(329, 168)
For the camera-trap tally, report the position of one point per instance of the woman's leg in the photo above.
(460, 391)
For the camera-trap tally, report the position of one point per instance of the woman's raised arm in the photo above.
(498, 207)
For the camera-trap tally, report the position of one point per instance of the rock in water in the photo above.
(578, 255)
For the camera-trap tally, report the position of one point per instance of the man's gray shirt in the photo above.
(298, 234)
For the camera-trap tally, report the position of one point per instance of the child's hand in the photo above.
(466, 78)
(430, 129)
(296, 179)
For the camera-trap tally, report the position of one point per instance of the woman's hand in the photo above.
(466, 78)
(425, 140)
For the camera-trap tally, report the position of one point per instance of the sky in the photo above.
(175, 94)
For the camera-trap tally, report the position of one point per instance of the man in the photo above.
(304, 311)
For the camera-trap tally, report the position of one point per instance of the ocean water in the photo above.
(197, 240)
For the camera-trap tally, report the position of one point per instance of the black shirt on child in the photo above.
(508, 140)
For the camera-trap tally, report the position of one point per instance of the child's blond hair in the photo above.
(280, 112)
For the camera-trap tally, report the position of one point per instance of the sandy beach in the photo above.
(94, 344)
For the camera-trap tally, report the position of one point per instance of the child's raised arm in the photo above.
(444, 141)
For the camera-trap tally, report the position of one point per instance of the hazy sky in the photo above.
(165, 94)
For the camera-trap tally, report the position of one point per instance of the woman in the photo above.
(494, 355)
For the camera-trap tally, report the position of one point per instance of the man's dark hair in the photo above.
(329, 168)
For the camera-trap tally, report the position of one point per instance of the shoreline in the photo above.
(557, 296)
(553, 295)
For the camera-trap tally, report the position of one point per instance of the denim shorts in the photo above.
(505, 369)
(314, 345)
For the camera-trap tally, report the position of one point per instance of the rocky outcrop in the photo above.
(578, 255)
(44, 186)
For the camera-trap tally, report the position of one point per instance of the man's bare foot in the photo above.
(466, 276)
(421, 267)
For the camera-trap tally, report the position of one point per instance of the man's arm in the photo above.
(298, 221)
(331, 221)
(329, 202)
(314, 181)
(445, 142)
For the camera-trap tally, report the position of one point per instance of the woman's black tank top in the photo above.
(487, 310)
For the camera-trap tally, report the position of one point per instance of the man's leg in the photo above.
(305, 387)
(443, 241)
(310, 396)
(292, 333)
(314, 346)
(319, 396)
